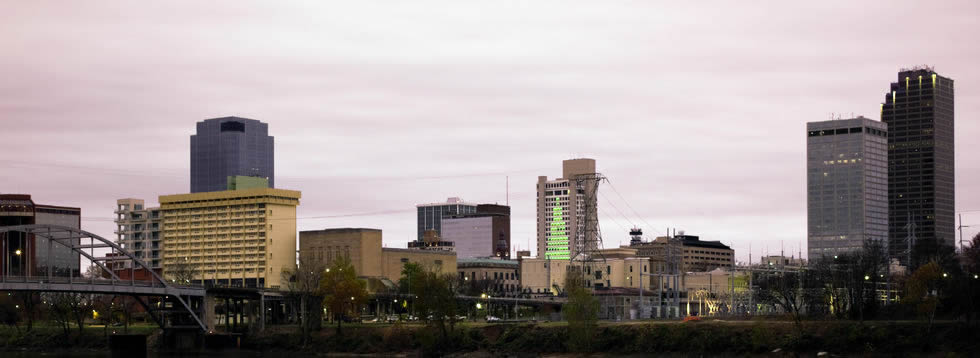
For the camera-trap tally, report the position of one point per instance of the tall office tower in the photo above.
(847, 185)
(238, 238)
(561, 211)
(430, 215)
(919, 114)
(230, 146)
(138, 231)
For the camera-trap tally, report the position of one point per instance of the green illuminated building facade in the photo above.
(556, 243)
(561, 211)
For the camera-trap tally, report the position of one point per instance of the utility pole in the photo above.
(960, 227)
(731, 308)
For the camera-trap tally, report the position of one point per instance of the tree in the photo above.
(124, 307)
(790, 291)
(9, 312)
(436, 300)
(343, 293)
(102, 308)
(94, 272)
(971, 256)
(968, 287)
(581, 311)
(29, 304)
(67, 308)
(181, 272)
(922, 290)
(304, 283)
(411, 274)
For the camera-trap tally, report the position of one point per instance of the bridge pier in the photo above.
(208, 312)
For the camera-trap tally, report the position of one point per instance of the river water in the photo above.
(205, 354)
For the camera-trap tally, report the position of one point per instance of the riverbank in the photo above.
(735, 338)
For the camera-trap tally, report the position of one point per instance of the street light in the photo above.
(945, 275)
(866, 277)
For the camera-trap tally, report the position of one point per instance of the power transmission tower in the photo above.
(588, 238)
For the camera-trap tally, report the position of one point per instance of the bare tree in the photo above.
(102, 311)
(126, 306)
(182, 271)
(30, 303)
(788, 291)
(67, 308)
(304, 285)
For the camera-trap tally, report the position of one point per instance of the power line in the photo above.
(372, 213)
(630, 206)
(617, 209)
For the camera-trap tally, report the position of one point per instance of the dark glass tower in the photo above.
(919, 112)
(230, 146)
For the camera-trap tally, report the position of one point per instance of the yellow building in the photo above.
(243, 238)
(370, 260)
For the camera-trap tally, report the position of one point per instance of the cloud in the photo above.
(695, 112)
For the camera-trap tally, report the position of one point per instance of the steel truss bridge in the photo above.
(175, 306)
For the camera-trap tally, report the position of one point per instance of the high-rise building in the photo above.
(919, 112)
(29, 255)
(138, 231)
(485, 233)
(230, 146)
(430, 215)
(238, 238)
(847, 185)
(562, 211)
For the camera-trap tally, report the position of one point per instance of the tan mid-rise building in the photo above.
(364, 248)
(239, 238)
(693, 254)
(618, 267)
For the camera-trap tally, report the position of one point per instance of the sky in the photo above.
(695, 111)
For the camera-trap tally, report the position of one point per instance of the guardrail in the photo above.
(93, 281)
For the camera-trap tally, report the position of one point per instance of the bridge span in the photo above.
(178, 306)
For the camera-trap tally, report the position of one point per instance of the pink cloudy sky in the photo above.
(694, 110)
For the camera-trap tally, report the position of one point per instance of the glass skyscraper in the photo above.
(919, 112)
(847, 185)
(230, 146)
(430, 215)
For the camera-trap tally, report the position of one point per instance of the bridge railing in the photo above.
(78, 280)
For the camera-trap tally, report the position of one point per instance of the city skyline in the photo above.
(699, 127)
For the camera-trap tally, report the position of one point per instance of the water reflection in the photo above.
(216, 354)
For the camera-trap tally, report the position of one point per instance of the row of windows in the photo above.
(828, 132)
